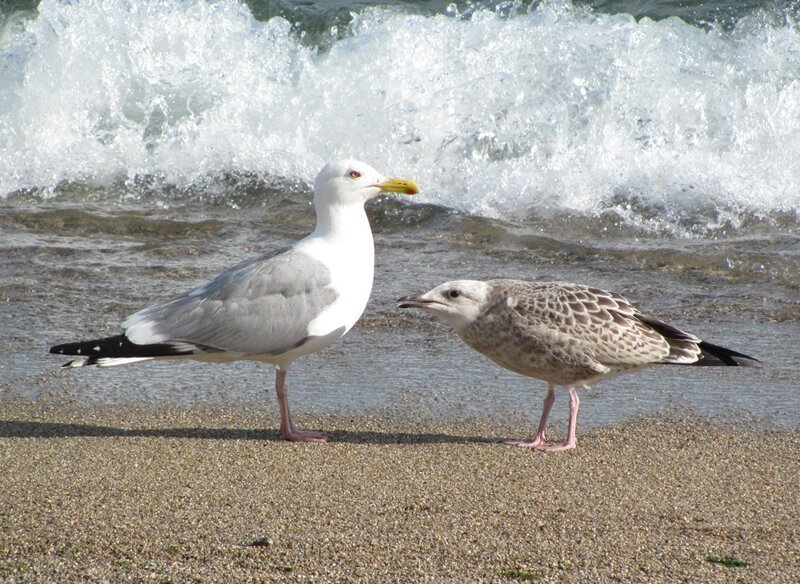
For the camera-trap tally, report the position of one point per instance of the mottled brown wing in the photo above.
(612, 329)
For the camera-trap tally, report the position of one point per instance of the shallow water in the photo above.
(76, 274)
(652, 154)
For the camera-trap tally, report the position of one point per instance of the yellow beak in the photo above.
(399, 185)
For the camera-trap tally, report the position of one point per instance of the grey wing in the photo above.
(263, 305)
(605, 322)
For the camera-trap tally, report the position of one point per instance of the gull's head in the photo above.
(347, 182)
(459, 302)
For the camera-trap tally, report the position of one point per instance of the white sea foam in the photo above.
(560, 109)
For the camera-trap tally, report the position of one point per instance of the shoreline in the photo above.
(209, 494)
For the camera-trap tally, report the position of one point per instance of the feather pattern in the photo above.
(568, 333)
(618, 333)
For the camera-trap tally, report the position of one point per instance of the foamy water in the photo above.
(146, 146)
(669, 126)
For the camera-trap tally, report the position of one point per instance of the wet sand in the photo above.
(128, 493)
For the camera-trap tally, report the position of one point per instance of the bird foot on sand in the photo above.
(556, 447)
(304, 436)
(538, 444)
(531, 443)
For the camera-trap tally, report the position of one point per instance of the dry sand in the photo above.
(208, 495)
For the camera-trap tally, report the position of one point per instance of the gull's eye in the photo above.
(454, 293)
(355, 174)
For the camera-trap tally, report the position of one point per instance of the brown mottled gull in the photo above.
(273, 308)
(564, 334)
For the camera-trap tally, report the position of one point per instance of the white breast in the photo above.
(351, 263)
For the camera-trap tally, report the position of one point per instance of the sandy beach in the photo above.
(125, 493)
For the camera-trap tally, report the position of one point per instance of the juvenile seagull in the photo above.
(564, 334)
(275, 307)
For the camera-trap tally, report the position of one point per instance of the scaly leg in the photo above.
(288, 431)
(538, 440)
(572, 440)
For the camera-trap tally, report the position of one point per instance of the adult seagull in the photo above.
(564, 334)
(275, 307)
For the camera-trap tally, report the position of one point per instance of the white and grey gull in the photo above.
(565, 334)
(275, 307)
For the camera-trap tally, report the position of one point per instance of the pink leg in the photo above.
(538, 440)
(288, 431)
(572, 441)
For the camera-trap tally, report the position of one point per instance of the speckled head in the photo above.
(459, 302)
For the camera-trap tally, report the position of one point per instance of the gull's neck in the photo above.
(343, 224)
(343, 236)
(342, 240)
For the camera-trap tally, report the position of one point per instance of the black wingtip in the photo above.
(106, 347)
(716, 355)
(119, 346)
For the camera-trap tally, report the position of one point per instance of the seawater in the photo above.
(509, 112)
(651, 148)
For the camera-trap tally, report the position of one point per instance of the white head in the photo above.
(459, 302)
(348, 182)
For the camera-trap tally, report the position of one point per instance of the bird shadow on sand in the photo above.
(32, 429)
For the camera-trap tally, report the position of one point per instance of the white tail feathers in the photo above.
(103, 361)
